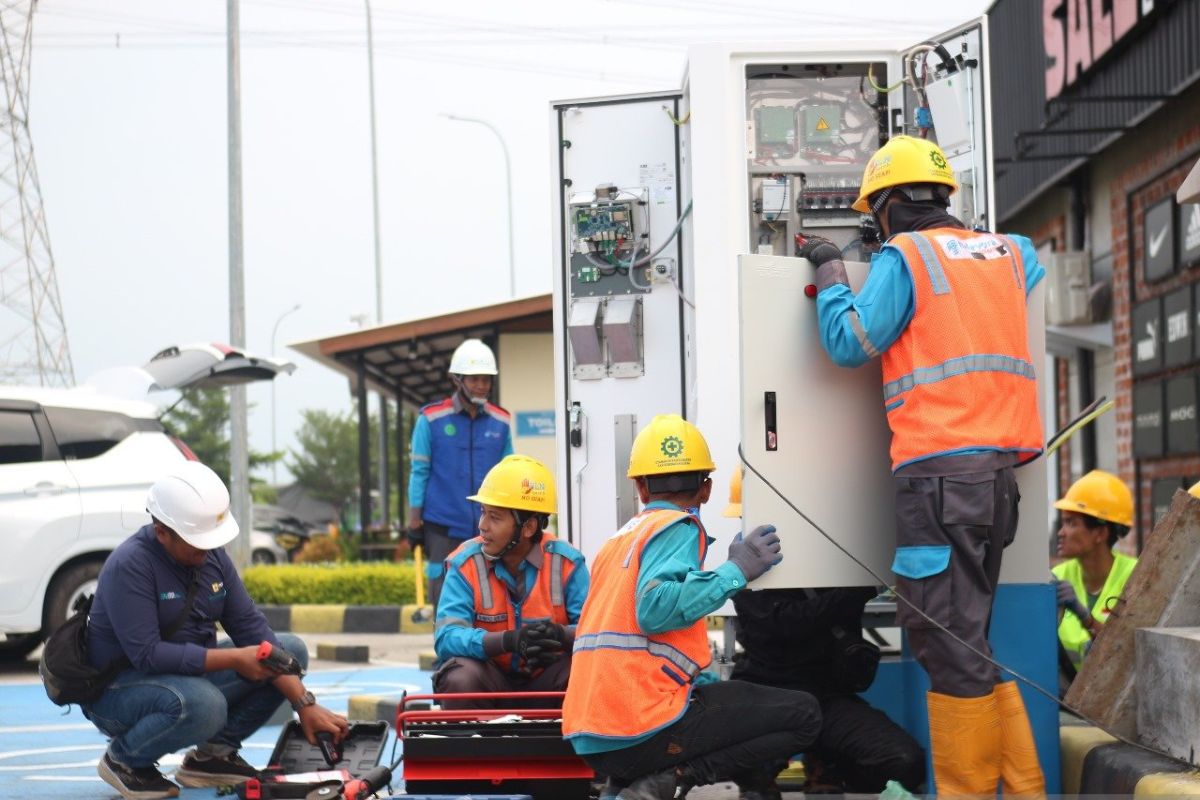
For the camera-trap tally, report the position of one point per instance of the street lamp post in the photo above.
(275, 330)
(512, 274)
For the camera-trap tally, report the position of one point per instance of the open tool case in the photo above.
(297, 768)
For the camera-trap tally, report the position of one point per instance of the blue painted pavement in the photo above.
(48, 754)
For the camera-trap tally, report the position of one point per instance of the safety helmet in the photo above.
(1101, 495)
(473, 357)
(1195, 490)
(192, 501)
(904, 160)
(520, 483)
(734, 509)
(667, 445)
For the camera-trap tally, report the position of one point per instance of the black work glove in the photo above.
(547, 655)
(1068, 600)
(415, 536)
(819, 250)
(532, 642)
(756, 552)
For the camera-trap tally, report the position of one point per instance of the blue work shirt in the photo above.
(457, 601)
(451, 453)
(673, 591)
(142, 590)
(886, 304)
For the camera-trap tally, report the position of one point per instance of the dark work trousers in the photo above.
(465, 675)
(859, 746)
(438, 546)
(732, 730)
(976, 515)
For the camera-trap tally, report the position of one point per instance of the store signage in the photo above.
(1189, 234)
(1183, 431)
(1147, 337)
(1148, 419)
(1158, 240)
(1177, 324)
(1078, 33)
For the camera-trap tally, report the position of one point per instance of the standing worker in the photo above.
(454, 444)
(158, 600)
(944, 309)
(1097, 511)
(640, 707)
(512, 595)
(811, 640)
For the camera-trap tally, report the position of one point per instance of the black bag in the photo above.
(67, 673)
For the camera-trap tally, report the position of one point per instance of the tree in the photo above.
(325, 461)
(201, 420)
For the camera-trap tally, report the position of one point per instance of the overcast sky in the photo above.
(129, 128)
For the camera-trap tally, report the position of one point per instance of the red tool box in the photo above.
(490, 750)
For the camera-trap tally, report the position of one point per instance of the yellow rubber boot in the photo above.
(964, 739)
(1020, 770)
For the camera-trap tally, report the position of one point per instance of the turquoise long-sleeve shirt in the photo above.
(885, 305)
(673, 591)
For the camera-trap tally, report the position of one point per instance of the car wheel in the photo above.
(262, 557)
(65, 590)
(18, 645)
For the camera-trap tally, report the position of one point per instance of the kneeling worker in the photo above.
(512, 595)
(1096, 511)
(640, 707)
(158, 600)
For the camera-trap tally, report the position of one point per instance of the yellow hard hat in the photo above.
(669, 444)
(1102, 495)
(734, 509)
(1195, 490)
(902, 161)
(518, 482)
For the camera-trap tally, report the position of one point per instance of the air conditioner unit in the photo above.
(1068, 279)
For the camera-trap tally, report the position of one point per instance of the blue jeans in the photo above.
(150, 715)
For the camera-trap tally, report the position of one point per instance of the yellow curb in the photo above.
(365, 706)
(318, 619)
(425, 660)
(406, 619)
(1074, 744)
(1186, 784)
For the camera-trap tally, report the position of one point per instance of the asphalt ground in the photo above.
(50, 753)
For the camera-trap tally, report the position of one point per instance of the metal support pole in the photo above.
(383, 410)
(239, 450)
(364, 451)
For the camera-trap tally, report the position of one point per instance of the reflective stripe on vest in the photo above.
(494, 607)
(960, 377)
(625, 683)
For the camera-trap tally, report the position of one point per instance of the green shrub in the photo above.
(374, 583)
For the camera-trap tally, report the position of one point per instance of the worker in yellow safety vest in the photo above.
(944, 309)
(1096, 512)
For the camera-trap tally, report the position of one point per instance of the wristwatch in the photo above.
(304, 701)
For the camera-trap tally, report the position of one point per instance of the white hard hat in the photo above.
(192, 501)
(473, 357)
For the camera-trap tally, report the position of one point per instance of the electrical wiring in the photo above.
(1053, 697)
(876, 86)
(686, 117)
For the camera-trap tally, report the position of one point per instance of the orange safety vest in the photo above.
(494, 608)
(624, 683)
(960, 376)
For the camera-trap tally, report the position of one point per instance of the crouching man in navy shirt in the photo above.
(181, 688)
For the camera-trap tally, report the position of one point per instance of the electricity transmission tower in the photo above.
(33, 333)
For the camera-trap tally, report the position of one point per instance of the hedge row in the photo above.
(362, 584)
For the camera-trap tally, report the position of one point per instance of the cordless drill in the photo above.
(279, 660)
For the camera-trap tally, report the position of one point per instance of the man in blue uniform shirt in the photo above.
(158, 600)
(454, 444)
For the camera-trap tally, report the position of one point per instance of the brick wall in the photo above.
(1155, 177)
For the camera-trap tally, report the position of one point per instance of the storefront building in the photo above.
(1096, 117)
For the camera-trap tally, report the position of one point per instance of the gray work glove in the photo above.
(819, 250)
(756, 552)
(1068, 600)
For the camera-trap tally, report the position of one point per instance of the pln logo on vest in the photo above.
(533, 489)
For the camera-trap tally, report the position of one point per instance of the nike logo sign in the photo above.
(1156, 242)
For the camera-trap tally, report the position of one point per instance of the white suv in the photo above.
(75, 466)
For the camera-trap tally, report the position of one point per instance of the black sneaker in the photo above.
(230, 770)
(135, 783)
